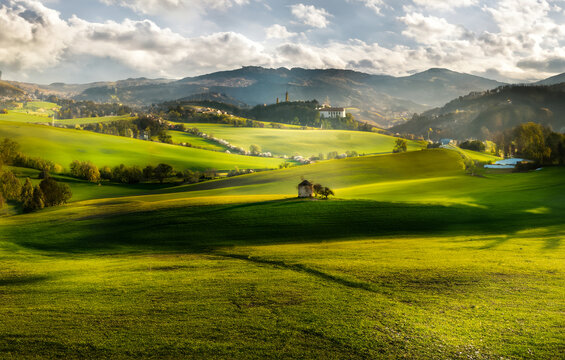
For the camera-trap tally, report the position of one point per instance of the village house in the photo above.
(305, 189)
(331, 112)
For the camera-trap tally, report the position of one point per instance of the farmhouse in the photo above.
(447, 142)
(331, 112)
(506, 163)
(305, 189)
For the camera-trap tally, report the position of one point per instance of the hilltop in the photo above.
(9, 90)
(483, 114)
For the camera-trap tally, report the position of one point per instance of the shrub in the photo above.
(106, 173)
(163, 171)
(54, 193)
(10, 186)
(401, 145)
(85, 170)
(127, 175)
(474, 145)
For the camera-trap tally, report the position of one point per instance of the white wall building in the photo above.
(331, 112)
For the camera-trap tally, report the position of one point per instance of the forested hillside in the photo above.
(482, 115)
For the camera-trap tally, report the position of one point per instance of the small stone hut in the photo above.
(305, 189)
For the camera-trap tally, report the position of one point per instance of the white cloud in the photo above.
(33, 36)
(375, 5)
(279, 32)
(168, 6)
(445, 5)
(430, 29)
(526, 43)
(145, 46)
(41, 39)
(310, 15)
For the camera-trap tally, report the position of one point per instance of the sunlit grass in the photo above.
(62, 146)
(304, 142)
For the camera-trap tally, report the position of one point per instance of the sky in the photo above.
(79, 41)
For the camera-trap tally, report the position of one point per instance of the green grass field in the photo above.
(180, 137)
(24, 117)
(62, 146)
(44, 118)
(304, 142)
(93, 120)
(414, 260)
(38, 108)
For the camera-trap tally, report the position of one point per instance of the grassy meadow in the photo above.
(62, 146)
(412, 259)
(304, 142)
(45, 117)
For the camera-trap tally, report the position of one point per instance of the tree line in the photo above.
(71, 109)
(134, 174)
(533, 142)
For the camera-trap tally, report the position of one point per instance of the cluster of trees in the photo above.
(134, 174)
(48, 193)
(302, 113)
(71, 109)
(149, 125)
(533, 142)
(85, 170)
(475, 145)
(401, 145)
(124, 128)
(322, 191)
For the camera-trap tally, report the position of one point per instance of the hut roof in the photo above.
(305, 183)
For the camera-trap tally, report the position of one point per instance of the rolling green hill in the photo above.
(442, 265)
(62, 146)
(43, 118)
(304, 142)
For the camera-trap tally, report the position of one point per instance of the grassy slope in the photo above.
(93, 120)
(182, 137)
(223, 281)
(340, 279)
(304, 142)
(24, 117)
(64, 145)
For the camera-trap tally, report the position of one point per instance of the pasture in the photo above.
(45, 118)
(337, 279)
(413, 260)
(307, 143)
(62, 146)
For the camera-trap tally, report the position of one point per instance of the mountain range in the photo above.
(380, 99)
(481, 106)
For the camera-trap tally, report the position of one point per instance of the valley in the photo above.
(419, 253)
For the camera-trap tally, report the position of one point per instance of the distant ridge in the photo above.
(482, 115)
(381, 99)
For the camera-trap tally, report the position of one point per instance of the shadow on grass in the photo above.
(552, 243)
(23, 280)
(204, 228)
(304, 269)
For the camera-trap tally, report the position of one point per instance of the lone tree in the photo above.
(54, 193)
(163, 171)
(322, 191)
(318, 188)
(401, 145)
(326, 192)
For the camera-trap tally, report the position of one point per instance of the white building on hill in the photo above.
(331, 112)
